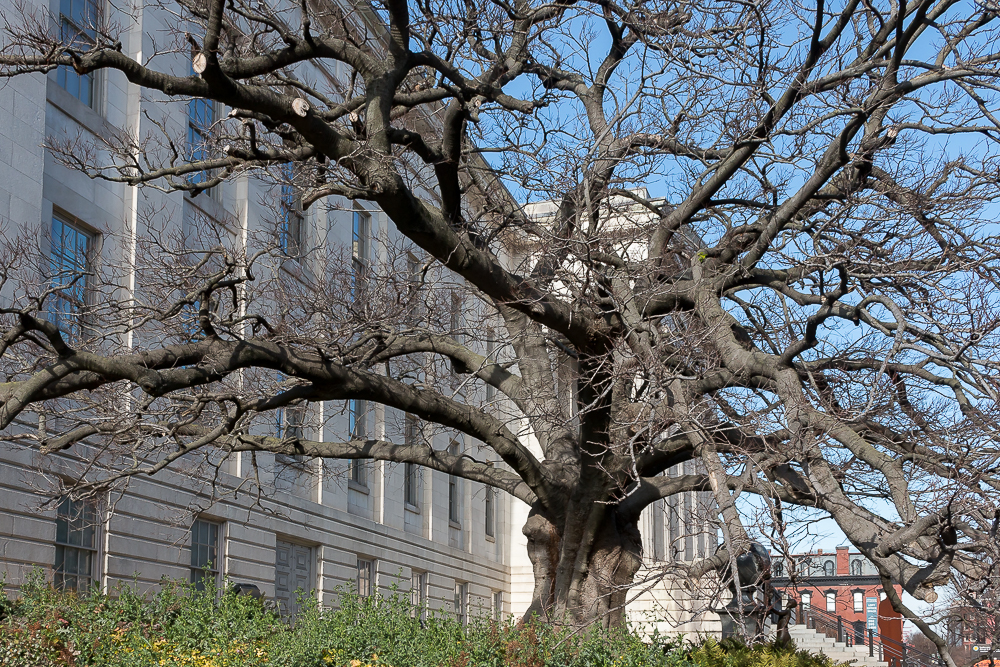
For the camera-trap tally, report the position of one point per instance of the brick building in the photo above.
(840, 583)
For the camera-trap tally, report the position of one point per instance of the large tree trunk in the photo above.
(582, 575)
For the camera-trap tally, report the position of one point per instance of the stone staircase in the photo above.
(816, 642)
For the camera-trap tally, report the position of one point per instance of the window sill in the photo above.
(454, 524)
(294, 265)
(360, 488)
(77, 110)
(207, 203)
(413, 509)
(491, 538)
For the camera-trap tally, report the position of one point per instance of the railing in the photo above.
(892, 651)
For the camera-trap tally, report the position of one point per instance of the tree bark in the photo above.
(582, 577)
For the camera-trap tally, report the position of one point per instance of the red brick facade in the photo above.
(842, 583)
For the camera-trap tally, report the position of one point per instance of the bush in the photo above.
(735, 654)
(182, 627)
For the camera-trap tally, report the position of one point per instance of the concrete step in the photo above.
(815, 642)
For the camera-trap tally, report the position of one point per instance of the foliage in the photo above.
(734, 654)
(182, 627)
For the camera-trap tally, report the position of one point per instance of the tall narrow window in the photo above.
(461, 602)
(829, 569)
(410, 484)
(204, 553)
(366, 577)
(418, 592)
(289, 424)
(201, 117)
(414, 272)
(357, 423)
(289, 421)
(806, 599)
(831, 601)
(856, 567)
(498, 606)
(360, 252)
(71, 270)
(491, 512)
(291, 227)
(77, 20)
(491, 391)
(76, 545)
(455, 316)
(411, 478)
(454, 491)
(859, 603)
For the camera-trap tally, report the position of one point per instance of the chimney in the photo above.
(843, 566)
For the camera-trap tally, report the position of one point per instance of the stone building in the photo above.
(453, 544)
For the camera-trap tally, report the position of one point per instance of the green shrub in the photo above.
(730, 653)
(181, 627)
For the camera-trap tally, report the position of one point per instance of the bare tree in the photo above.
(805, 304)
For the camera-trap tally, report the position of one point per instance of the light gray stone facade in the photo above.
(147, 536)
(316, 513)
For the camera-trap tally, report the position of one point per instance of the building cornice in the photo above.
(837, 581)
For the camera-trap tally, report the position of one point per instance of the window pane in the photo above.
(201, 116)
(366, 571)
(410, 471)
(204, 550)
(357, 418)
(410, 484)
(86, 89)
(460, 603)
(200, 579)
(360, 251)
(76, 26)
(490, 509)
(76, 523)
(213, 550)
(453, 498)
(417, 589)
(84, 567)
(69, 267)
(62, 522)
(73, 568)
(357, 280)
(491, 391)
(456, 317)
(359, 472)
(83, 12)
(454, 490)
(360, 236)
